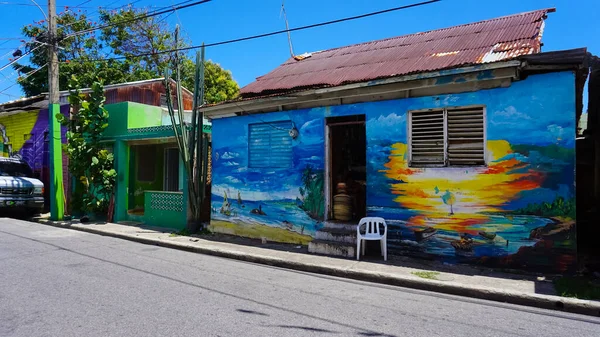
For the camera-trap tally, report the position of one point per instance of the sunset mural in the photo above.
(518, 210)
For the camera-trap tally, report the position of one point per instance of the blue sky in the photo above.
(573, 25)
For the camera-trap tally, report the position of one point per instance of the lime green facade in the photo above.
(137, 130)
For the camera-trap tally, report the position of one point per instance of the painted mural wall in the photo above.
(25, 134)
(517, 211)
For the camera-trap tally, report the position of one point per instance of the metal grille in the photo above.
(465, 136)
(427, 138)
(166, 201)
(151, 129)
(16, 190)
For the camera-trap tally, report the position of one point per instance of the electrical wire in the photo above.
(284, 31)
(26, 76)
(20, 57)
(98, 11)
(181, 5)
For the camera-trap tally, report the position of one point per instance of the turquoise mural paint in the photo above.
(517, 210)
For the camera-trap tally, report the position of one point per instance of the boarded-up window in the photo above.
(270, 145)
(447, 137)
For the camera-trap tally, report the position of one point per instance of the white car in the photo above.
(18, 189)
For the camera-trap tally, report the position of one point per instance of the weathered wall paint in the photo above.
(525, 195)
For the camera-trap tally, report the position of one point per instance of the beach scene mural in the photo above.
(517, 211)
(273, 195)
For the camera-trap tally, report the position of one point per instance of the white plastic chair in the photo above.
(371, 233)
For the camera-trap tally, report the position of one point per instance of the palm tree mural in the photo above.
(449, 199)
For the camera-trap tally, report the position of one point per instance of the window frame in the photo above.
(271, 126)
(446, 141)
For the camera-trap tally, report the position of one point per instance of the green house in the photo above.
(151, 176)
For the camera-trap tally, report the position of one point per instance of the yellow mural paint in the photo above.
(18, 128)
(454, 197)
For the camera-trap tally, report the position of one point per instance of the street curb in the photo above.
(571, 305)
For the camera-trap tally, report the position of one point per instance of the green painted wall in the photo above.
(117, 119)
(143, 116)
(128, 115)
(169, 210)
(121, 151)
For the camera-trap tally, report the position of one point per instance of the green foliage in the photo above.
(89, 161)
(313, 199)
(218, 83)
(577, 287)
(88, 55)
(559, 207)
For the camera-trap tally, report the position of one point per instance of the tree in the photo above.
(89, 55)
(89, 162)
(218, 82)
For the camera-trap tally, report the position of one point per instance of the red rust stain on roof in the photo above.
(476, 43)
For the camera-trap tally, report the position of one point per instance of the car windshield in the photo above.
(11, 169)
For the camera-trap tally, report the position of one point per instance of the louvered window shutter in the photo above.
(447, 137)
(427, 138)
(270, 145)
(465, 136)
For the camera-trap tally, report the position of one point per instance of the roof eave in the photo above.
(231, 108)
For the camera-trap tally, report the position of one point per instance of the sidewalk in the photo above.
(509, 288)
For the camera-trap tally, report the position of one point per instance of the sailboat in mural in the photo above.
(239, 200)
(226, 207)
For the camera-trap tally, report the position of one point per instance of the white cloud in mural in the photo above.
(311, 132)
(229, 155)
(231, 163)
(509, 116)
(391, 127)
(232, 180)
(556, 131)
(390, 120)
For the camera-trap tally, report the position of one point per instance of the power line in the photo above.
(140, 17)
(100, 8)
(33, 5)
(26, 76)
(20, 57)
(284, 31)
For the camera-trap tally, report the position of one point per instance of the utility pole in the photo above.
(57, 200)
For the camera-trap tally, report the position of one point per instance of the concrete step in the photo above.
(337, 235)
(332, 248)
(340, 225)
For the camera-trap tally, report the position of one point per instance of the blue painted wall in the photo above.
(525, 195)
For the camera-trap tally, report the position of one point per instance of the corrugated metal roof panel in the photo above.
(481, 42)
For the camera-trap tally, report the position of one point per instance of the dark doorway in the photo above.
(347, 168)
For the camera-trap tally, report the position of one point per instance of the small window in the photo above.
(270, 145)
(447, 137)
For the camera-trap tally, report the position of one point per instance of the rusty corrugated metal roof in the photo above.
(476, 43)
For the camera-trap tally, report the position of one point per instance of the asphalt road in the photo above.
(59, 282)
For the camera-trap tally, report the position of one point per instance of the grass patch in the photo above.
(183, 232)
(577, 287)
(257, 231)
(430, 275)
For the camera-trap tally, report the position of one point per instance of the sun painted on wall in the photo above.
(518, 210)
